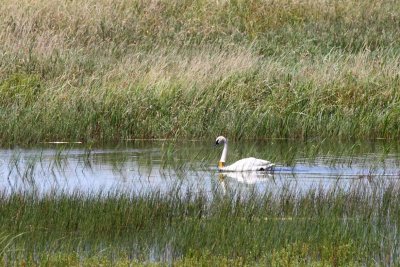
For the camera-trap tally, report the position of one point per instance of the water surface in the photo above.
(146, 166)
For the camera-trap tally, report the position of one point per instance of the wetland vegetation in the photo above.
(355, 227)
(325, 205)
(104, 72)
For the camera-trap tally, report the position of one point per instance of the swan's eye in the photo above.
(217, 142)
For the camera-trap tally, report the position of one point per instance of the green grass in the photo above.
(95, 72)
(281, 228)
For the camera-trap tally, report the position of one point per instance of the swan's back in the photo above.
(248, 164)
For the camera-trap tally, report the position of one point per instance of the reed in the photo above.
(95, 71)
(337, 227)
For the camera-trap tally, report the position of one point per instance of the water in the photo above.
(146, 166)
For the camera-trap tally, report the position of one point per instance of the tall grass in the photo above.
(322, 227)
(104, 71)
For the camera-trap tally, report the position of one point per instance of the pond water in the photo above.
(148, 166)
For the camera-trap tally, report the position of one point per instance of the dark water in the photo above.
(145, 166)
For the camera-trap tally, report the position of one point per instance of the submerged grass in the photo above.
(320, 227)
(100, 71)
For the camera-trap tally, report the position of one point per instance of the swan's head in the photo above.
(220, 140)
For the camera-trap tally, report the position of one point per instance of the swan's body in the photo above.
(246, 164)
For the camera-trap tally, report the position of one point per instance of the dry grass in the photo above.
(169, 68)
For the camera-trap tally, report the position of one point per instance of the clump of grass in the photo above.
(325, 227)
(97, 71)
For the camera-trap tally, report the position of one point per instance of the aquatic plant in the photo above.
(337, 227)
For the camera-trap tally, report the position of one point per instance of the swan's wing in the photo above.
(260, 162)
(248, 164)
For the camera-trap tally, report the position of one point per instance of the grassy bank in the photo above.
(100, 71)
(320, 228)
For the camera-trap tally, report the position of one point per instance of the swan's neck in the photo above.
(221, 162)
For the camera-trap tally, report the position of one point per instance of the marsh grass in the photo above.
(354, 224)
(323, 227)
(95, 71)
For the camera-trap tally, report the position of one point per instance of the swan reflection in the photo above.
(249, 178)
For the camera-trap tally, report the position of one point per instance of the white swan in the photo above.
(247, 164)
